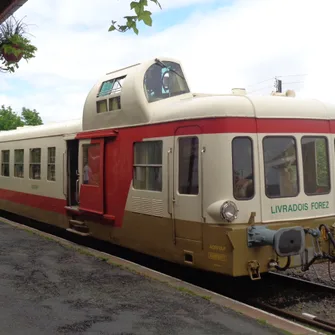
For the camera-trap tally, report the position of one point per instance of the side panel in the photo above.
(44, 197)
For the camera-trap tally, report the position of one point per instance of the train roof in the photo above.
(131, 103)
(157, 91)
(52, 129)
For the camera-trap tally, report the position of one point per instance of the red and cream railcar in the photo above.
(228, 183)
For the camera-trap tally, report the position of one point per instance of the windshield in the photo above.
(164, 80)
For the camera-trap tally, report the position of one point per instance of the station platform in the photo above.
(51, 286)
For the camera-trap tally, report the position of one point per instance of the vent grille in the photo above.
(147, 206)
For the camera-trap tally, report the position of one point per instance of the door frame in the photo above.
(184, 132)
(89, 192)
(71, 171)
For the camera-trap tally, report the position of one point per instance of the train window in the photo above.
(51, 174)
(5, 163)
(91, 164)
(188, 165)
(35, 163)
(280, 165)
(147, 169)
(19, 163)
(243, 170)
(315, 164)
(101, 106)
(111, 86)
(114, 103)
(163, 81)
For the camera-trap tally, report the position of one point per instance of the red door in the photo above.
(91, 196)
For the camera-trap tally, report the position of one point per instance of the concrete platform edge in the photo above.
(287, 326)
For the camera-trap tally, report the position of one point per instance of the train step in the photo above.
(77, 232)
(77, 226)
(77, 222)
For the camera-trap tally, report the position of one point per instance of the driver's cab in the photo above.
(164, 80)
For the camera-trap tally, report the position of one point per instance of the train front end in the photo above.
(270, 191)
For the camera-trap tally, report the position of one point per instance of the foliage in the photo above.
(141, 15)
(13, 42)
(31, 117)
(321, 159)
(11, 120)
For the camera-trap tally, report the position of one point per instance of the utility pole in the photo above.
(278, 85)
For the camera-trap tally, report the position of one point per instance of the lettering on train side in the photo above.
(315, 205)
(217, 257)
(217, 247)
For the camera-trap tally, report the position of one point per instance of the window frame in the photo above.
(297, 165)
(49, 164)
(5, 163)
(35, 163)
(199, 167)
(252, 165)
(169, 64)
(147, 166)
(20, 163)
(328, 165)
(85, 156)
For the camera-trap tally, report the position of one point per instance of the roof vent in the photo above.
(239, 91)
(288, 93)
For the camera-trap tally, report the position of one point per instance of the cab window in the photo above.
(163, 81)
(315, 165)
(280, 166)
(188, 165)
(243, 170)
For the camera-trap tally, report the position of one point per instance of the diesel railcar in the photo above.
(228, 183)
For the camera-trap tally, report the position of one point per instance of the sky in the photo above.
(222, 44)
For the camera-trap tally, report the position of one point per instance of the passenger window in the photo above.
(35, 164)
(243, 171)
(315, 164)
(5, 163)
(147, 169)
(280, 165)
(91, 164)
(188, 165)
(51, 175)
(19, 163)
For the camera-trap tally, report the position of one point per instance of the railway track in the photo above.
(295, 299)
(276, 293)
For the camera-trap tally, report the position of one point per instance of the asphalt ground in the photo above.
(49, 288)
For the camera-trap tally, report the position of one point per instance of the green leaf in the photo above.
(146, 17)
(157, 3)
(133, 4)
(137, 6)
(141, 15)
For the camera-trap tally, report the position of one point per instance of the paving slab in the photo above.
(49, 288)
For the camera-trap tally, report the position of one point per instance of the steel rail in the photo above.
(316, 322)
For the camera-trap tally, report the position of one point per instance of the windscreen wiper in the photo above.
(165, 66)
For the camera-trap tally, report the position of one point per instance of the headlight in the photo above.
(228, 211)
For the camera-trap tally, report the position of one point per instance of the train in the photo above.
(230, 183)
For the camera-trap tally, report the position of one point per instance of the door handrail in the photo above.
(168, 182)
(65, 172)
